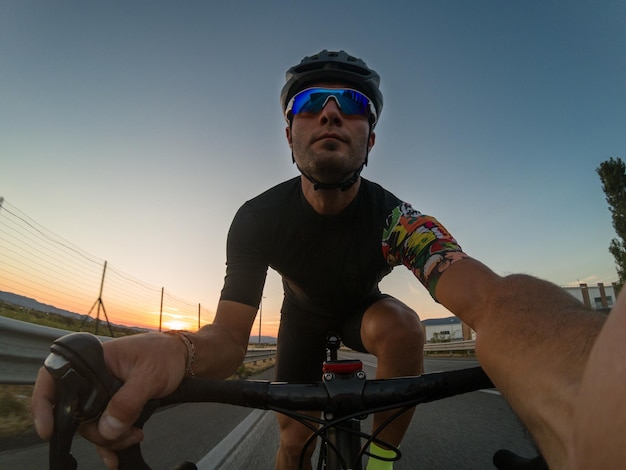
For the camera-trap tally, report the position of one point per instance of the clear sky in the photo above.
(135, 129)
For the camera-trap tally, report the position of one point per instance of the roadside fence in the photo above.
(35, 260)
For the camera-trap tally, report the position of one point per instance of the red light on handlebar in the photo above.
(349, 366)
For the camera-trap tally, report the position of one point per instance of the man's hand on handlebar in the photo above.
(151, 365)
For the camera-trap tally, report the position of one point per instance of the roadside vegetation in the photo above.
(63, 322)
(15, 410)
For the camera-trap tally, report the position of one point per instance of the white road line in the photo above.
(221, 451)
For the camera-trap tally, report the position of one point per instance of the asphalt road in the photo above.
(461, 432)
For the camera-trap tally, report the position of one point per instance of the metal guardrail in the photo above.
(24, 346)
(259, 354)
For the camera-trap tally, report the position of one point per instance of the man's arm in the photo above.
(221, 346)
(600, 422)
(533, 340)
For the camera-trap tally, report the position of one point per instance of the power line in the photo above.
(37, 263)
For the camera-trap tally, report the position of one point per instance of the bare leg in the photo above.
(394, 334)
(293, 435)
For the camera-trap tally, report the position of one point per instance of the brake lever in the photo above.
(83, 388)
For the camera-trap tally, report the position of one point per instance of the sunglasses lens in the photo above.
(310, 102)
(313, 100)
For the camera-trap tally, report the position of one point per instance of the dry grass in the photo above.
(15, 416)
(250, 369)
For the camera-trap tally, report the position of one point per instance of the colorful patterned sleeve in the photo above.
(420, 243)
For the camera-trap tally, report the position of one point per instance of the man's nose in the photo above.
(331, 112)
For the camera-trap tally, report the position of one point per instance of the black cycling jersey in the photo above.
(330, 264)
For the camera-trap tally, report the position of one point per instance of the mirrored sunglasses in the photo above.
(313, 100)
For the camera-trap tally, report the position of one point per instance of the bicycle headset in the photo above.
(337, 66)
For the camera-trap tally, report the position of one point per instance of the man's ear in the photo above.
(372, 141)
(288, 135)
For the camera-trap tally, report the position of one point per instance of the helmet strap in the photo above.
(343, 185)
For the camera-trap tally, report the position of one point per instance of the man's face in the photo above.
(329, 145)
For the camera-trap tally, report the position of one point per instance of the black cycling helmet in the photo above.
(330, 66)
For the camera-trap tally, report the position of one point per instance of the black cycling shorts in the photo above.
(302, 341)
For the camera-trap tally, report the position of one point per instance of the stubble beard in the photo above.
(326, 163)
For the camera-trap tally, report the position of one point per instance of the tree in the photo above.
(613, 176)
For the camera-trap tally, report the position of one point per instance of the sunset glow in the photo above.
(177, 325)
(130, 141)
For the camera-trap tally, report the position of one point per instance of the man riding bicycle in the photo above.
(332, 236)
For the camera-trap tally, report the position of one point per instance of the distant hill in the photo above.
(33, 304)
(264, 340)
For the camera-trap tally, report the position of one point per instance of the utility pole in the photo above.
(161, 309)
(100, 305)
(260, 318)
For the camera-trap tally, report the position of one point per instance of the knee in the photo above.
(392, 324)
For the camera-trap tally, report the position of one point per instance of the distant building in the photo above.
(598, 297)
(446, 329)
